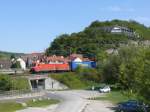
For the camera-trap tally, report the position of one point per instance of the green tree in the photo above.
(130, 68)
(12, 56)
(16, 65)
(94, 38)
(110, 70)
(88, 74)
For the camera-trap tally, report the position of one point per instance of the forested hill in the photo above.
(7, 55)
(96, 37)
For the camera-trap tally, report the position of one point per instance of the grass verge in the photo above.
(73, 81)
(41, 103)
(69, 79)
(10, 107)
(115, 97)
(13, 106)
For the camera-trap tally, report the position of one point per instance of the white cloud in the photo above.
(143, 19)
(118, 9)
(114, 9)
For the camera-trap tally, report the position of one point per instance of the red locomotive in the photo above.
(41, 67)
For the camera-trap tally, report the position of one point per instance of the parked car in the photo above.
(105, 89)
(132, 106)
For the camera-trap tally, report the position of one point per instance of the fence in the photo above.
(11, 71)
(8, 95)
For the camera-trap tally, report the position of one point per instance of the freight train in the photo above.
(61, 67)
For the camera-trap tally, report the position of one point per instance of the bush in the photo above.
(88, 74)
(20, 83)
(16, 65)
(8, 83)
(5, 83)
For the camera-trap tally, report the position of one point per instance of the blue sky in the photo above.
(30, 25)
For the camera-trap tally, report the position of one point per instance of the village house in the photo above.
(116, 29)
(5, 64)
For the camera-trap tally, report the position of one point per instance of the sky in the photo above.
(28, 26)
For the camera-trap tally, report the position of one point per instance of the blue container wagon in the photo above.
(86, 64)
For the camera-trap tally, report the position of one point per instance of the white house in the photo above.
(116, 29)
(22, 63)
(123, 30)
(77, 60)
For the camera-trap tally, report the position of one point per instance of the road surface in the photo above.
(74, 101)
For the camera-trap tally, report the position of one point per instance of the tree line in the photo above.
(130, 69)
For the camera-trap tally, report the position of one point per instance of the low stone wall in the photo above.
(51, 84)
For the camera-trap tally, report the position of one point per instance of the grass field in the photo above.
(13, 106)
(115, 97)
(10, 107)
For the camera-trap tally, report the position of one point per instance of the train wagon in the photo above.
(62, 67)
(85, 64)
(50, 67)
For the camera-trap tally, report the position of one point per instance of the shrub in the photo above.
(16, 65)
(5, 83)
(20, 83)
(8, 83)
(88, 74)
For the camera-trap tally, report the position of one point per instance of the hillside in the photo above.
(7, 55)
(96, 37)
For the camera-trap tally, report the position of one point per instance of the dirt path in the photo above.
(99, 106)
